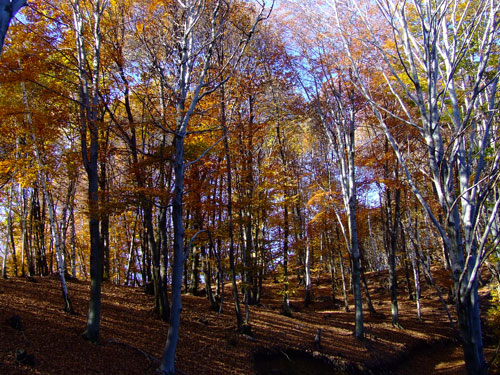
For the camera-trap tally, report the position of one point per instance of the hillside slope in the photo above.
(132, 338)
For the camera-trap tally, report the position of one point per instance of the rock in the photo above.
(317, 339)
(24, 358)
(15, 322)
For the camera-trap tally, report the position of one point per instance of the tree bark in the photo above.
(89, 105)
(229, 182)
(7, 236)
(167, 365)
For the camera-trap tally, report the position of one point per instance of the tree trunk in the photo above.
(286, 293)
(332, 272)
(344, 288)
(89, 105)
(195, 271)
(104, 214)
(159, 293)
(353, 234)
(369, 303)
(167, 364)
(24, 229)
(470, 330)
(207, 275)
(94, 313)
(131, 257)
(309, 297)
(239, 319)
(163, 247)
(7, 236)
(406, 263)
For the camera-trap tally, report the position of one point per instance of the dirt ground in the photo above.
(132, 338)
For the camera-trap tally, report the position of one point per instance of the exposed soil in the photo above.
(132, 338)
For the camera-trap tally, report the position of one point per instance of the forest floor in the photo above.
(132, 338)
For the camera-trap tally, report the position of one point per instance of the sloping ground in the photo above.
(132, 339)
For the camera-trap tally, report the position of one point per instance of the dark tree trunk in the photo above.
(332, 268)
(344, 287)
(207, 275)
(286, 292)
(195, 272)
(369, 303)
(239, 319)
(94, 314)
(163, 246)
(104, 215)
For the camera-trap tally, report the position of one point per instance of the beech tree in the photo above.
(198, 25)
(337, 106)
(88, 65)
(442, 63)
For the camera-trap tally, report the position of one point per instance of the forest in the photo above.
(323, 152)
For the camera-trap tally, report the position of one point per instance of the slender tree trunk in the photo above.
(356, 280)
(7, 236)
(309, 297)
(195, 271)
(104, 198)
(73, 239)
(287, 311)
(286, 292)
(24, 229)
(369, 303)
(332, 270)
(373, 245)
(66, 218)
(393, 226)
(131, 256)
(159, 292)
(406, 263)
(163, 242)
(30, 249)
(207, 275)
(12, 242)
(239, 319)
(414, 255)
(344, 288)
(353, 233)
